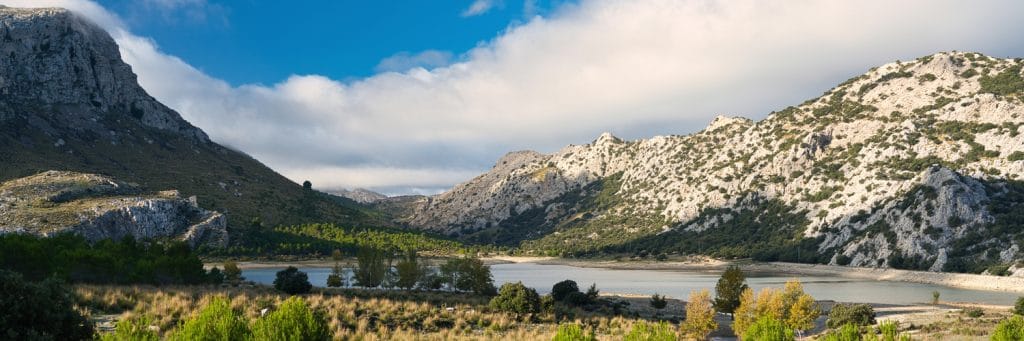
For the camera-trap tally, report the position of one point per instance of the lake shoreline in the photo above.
(953, 280)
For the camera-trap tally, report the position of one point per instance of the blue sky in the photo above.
(248, 41)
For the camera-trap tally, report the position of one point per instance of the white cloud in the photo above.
(636, 68)
(478, 7)
(404, 61)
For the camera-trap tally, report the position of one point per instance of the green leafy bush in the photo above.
(1015, 156)
(563, 288)
(216, 321)
(855, 314)
(292, 281)
(1018, 308)
(974, 312)
(848, 332)
(1011, 329)
(646, 331)
(573, 332)
(39, 311)
(293, 320)
(134, 329)
(769, 329)
(516, 298)
(1006, 82)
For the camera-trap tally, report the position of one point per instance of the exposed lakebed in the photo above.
(679, 283)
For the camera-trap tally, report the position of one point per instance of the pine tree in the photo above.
(729, 288)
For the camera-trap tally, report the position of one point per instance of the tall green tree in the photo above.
(468, 274)
(729, 289)
(410, 271)
(373, 266)
(337, 276)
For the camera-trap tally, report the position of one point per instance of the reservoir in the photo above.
(679, 283)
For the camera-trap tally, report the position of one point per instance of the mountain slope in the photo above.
(68, 102)
(913, 165)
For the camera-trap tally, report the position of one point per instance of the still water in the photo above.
(679, 283)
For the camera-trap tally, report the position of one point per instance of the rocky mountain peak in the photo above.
(71, 72)
(722, 121)
(606, 138)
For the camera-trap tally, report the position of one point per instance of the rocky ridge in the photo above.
(98, 207)
(913, 164)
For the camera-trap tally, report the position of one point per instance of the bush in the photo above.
(658, 301)
(974, 312)
(848, 332)
(232, 274)
(216, 321)
(563, 288)
(1011, 329)
(768, 329)
(516, 298)
(334, 281)
(576, 299)
(644, 331)
(136, 329)
(215, 276)
(855, 314)
(573, 332)
(293, 320)
(292, 281)
(1019, 307)
(39, 310)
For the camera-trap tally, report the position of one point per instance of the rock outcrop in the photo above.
(97, 207)
(914, 164)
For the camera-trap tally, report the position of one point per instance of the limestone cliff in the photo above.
(913, 164)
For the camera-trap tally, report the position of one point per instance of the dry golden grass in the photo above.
(351, 314)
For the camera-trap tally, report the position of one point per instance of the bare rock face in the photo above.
(63, 65)
(913, 164)
(97, 207)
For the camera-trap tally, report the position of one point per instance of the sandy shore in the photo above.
(955, 280)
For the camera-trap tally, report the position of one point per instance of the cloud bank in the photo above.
(636, 68)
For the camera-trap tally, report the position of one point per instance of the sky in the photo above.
(415, 96)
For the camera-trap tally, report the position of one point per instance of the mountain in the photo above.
(360, 195)
(69, 103)
(913, 164)
(98, 207)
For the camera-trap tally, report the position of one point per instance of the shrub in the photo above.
(855, 314)
(293, 320)
(1011, 329)
(935, 297)
(1019, 307)
(334, 281)
(973, 312)
(573, 332)
(216, 321)
(768, 329)
(39, 310)
(658, 301)
(576, 299)
(563, 288)
(516, 298)
(215, 276)
(592, 292)
(848, 332)
(645, 331)
(232, 274)
(292, 281)
(136, 329)
(1015, 156)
